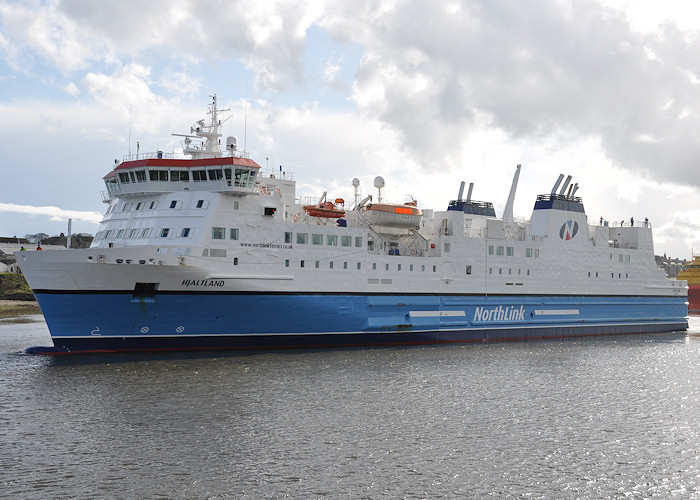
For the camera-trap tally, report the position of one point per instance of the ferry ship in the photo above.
(691, 275)
(206, 250)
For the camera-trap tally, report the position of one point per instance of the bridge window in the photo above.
(199, 175)
(164, 232)
(185, 232)
(241, 177)
(176, 175)
(215, 175)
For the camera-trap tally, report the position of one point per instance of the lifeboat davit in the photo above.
(406, 215)
(326, 209)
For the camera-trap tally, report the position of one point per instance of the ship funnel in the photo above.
(556, 184)
(566, 184)
(469, 193)
(573, 193)
(461, 191)
(508, 211)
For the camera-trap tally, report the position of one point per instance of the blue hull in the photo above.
(98, 322)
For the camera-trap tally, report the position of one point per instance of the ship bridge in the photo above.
(232, 175)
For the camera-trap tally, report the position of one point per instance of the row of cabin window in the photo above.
(242, 177)
(510, 271)
(219, 233)
(331, 265)
(510, 251)
(317, 239)
(185, 232)
(612, 275)
(173, 204)
(623, 258)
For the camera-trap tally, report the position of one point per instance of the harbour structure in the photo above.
(691, 275)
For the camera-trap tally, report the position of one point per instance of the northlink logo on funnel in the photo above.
(568, 230)
(500, 313)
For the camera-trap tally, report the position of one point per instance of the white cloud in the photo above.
(533, 70)
(41, 29)
(71, 89)
(54, 213)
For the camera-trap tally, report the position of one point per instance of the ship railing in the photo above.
(150, 156)
(632, 222)
(160, 155)
(558, 197)
(269, 173)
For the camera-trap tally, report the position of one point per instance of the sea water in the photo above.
(587, 418)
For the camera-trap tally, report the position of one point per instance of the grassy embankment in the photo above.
(16, 298)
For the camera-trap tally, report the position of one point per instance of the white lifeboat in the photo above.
(406, 215)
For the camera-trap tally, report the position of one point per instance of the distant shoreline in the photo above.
(14, 308)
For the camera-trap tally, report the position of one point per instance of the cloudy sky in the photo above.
(425, 93)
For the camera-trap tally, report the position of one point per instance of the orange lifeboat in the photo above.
(326, 209)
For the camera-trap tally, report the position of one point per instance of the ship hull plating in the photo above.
(106, 321)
